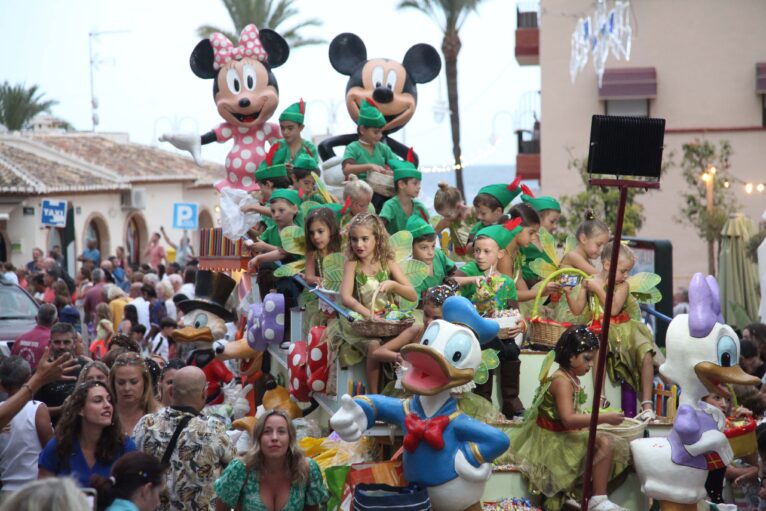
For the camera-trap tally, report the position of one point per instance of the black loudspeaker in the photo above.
(626, 146)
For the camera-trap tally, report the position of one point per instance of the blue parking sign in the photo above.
(53, 213)
(185, 215)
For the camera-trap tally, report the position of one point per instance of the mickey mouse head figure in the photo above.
(390, 84)
(246, 95)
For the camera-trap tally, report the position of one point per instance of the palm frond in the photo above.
(18, 105)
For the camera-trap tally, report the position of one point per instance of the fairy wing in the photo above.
(542, 267)
(570, 244)
(489, 361)
(293, 241)
(290, 269)
(401, 244)
(548, 242)
(415, 271)
(332, 271)
(306, 206)
(322, 189)
(546, 367)
(643, 286)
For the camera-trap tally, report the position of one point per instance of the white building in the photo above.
(118, 193)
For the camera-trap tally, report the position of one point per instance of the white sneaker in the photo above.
(602, 503)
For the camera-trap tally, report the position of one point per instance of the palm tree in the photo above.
(18, 105)
(264, 14)
(450, 16)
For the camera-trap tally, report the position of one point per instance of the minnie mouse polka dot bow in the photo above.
(249, 47)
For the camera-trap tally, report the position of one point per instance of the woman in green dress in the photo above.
(274, 475)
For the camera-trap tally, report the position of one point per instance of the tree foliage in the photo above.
(265, 14)
(603, 202)
(698, 158)
(19, 104)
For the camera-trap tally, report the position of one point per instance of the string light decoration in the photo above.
(748, 186)
(605, 31)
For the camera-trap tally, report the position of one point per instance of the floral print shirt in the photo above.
(202, 452)
(229, 487)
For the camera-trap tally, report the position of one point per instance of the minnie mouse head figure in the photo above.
(246, 94)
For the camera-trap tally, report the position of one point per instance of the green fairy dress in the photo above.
(350, 347)
(551, 457)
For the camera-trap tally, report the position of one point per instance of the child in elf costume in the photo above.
(424, 249)
(284, 204)
(492, 292)
(303, 180)
(404, 204)
(458, 217)
(490, 204)
(549, 211)
(550, 447)
(292, 146)
(270, 176)
(368, 153)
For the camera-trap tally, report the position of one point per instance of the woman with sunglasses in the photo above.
(88, 438)
(131, 384)
(274, 474)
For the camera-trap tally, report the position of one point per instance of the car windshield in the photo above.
(16, 304)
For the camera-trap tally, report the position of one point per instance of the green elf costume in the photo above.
(502, 235)
(271, 234)
(294, 113)
(306, 162)
(380, 153)
(504, 195)
(392, 211)
(269, 169)
(442, 265)
(532, 251)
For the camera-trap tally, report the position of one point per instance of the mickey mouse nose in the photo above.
(244, 103)
(383, 95)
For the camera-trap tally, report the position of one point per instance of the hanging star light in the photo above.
(599, 34)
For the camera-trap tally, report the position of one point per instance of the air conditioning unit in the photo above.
(134, 198)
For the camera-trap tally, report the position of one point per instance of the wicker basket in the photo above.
(382, 184)
(630, 429)
(545, 333)
(375, 328)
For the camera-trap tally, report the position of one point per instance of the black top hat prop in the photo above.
(211, 290)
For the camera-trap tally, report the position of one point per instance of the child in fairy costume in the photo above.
(370, 266)
(481, 279)
(549, 211)
(357, 198)
(631, 347)
(424, 249)
(551, 446)
(322, 235)
(456, 216)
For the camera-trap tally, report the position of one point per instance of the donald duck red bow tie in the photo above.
(429, 430)
(249, 47)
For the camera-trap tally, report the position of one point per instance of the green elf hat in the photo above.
(419, 227)
(305, 162)
(502, 234)
(404, 169)
(543, 203)
(503, 193)
(294, 112)
(287, 194)
(370, 116)
(269, 170)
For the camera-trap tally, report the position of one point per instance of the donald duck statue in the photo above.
(702, 356)
(445, 451)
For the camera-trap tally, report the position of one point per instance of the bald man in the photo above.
(203, 441)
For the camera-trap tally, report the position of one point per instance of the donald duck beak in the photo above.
(191, 334)
(713, 376)
(429, 371)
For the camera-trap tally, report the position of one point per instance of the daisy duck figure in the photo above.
(445, 450)
(702, 356)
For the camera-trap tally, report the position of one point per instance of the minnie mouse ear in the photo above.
(276, 47)
(201, 60)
